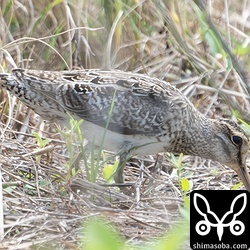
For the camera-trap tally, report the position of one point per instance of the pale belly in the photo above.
(118, 143)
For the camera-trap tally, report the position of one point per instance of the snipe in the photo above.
(148, 115)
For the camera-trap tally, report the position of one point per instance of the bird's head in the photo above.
(232, 148)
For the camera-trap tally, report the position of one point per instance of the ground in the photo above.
(46, 206)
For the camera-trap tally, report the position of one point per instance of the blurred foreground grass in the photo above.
(98, 234)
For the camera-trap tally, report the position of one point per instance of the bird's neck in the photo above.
(195, 137)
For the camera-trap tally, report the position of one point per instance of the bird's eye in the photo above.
(237, 140)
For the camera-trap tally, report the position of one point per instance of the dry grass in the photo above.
(44, 205)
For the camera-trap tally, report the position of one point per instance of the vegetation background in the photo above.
(201, 47)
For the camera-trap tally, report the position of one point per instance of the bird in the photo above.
(130, 114)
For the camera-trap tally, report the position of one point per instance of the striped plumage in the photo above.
(148, 115)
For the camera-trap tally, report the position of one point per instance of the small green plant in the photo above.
(109, 170)
(41, 142)
(98, 165)
(185, 184)
(74, 142)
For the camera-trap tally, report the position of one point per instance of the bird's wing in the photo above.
(138, 103)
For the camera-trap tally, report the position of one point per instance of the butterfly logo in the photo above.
(203, 227)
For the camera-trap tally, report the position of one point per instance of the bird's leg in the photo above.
(118, 176)
(125, 155)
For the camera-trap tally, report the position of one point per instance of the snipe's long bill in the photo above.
(148, 115)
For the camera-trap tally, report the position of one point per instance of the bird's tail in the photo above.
(8, 81)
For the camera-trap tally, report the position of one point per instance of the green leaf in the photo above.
(42, 142)
(109, 170)
(179, 162)
(237, 186)
(43, 182)
(100, 235)
(9, 189)
(209, 35)
(186, 184)
(176, 238)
